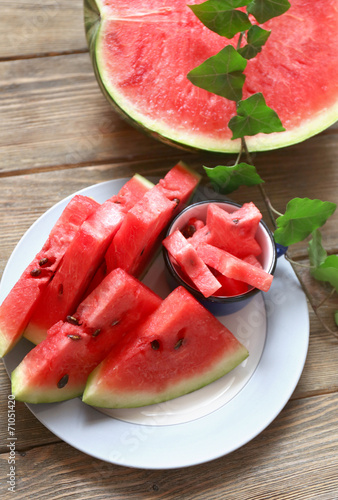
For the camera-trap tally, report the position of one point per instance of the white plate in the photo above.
(201, 426)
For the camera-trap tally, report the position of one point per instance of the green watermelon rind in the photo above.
(23, 392)
(94, 27)
(94, 397)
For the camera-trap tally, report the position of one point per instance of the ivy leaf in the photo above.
(263, 10)
(222, 17)
(221, 74)
(328, 271)
(316, 251)
(254, 116)
(226, 179)
(301, 218)
(256, 38)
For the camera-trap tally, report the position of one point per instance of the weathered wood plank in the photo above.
(295, 457)
(38, 27)
(53, 113)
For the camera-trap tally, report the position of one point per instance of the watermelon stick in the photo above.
(19, 304)
(191, 264)
(57, 368)
(233, 267)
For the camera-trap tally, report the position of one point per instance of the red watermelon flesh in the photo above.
(234, 268)
(193, 266)
(132, 191)
(78, 267)
(57, 369)
(235, 231)
(230, 287)
(179, 184)
(142, 230)
(168, 356)
(143, 52)
(18, 306)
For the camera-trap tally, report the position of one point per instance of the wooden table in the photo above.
(58, 135)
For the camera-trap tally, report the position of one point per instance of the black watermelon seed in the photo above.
(178, 344)
(63, 381)
(155, 345)
(43, 262)
(116, 322)
(235, 221)
(74, 337)
(95, 334)
(72, 320)
(35, 272)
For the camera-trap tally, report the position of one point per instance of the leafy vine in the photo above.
(223, 74)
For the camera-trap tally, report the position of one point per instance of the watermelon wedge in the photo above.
(179, 348)
(143, 51)
(78, 266)
(191, 264)
(141, 232)
(18, 306)
(57, 369)
(82, 259)
(234, 232)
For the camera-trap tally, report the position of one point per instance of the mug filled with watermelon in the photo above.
(223, 253)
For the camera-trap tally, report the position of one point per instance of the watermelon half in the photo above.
(142, 52)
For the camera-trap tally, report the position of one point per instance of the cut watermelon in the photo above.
(18, 306)
(191, 264)
(83, 258)
(57, 369)
(143, 51)
(234, 232)
(168, 356)
(230, 287)
(142, 230)
(78, 267)
(234, 268)
(132, 191)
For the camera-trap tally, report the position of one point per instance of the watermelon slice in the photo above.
(235, 231)
(142, 230)
(57, 369)
(192, 265)
(143, 51)
(82, 259)
(17, 308)
(132, 191)
(180, 348)
(78, 266)
(233, 267)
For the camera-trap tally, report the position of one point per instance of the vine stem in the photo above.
(293, 264)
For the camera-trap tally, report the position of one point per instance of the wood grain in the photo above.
(295, 457)
(42, 27)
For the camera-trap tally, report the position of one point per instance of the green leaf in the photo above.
(254, 116)
(256, 38)
(301, 218)
(263, 10)
(221, 17)
(336, 317)
(328, 271)
(221, 74)
(226, 179)
(317, 253)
